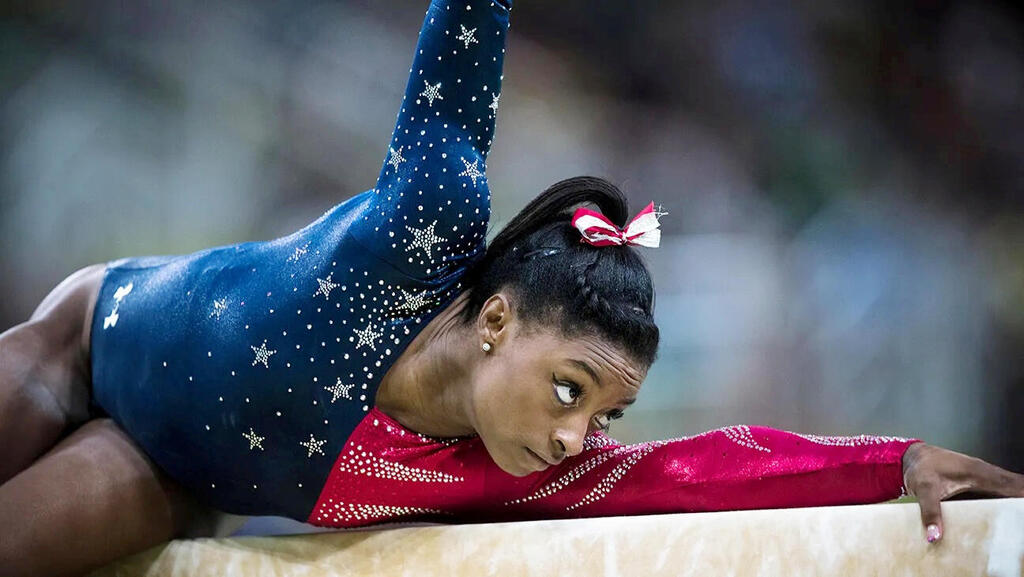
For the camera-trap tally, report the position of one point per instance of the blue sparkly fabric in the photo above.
(242, 370)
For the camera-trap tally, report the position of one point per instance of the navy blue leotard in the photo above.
(242, 370)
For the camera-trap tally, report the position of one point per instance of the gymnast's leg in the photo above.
(93, 498)
(44, 372)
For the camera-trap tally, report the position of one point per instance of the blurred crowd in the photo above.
(844, 181)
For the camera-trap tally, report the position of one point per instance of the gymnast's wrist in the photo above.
(911, 456)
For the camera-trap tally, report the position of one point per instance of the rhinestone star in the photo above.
(413, 302)
(326, 286)
(467, 36)
(432, 92)
(472, 171)
(494, 102)
(423, 238)
(255, 441)
(368, 336)
(313, 446)
(396, 157)
(219, 306)
(339, 390)
(262, 354)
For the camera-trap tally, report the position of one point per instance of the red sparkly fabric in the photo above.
(388, 473)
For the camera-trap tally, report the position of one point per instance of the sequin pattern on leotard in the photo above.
(242, 370)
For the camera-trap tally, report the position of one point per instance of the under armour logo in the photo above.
(121, 292)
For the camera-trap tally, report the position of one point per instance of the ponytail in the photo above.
(555, 279)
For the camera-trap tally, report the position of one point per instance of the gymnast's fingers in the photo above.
(929, 498)
(932, 474)
(993, 480)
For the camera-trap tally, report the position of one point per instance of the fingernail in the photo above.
(932, 531)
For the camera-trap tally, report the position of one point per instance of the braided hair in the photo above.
(556, 280)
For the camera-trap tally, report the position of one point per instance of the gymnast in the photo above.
(382, 364)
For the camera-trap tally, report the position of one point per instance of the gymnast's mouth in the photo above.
(536, 456)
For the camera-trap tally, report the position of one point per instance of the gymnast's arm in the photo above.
(737, 467)
(743, 467)
(429, 209)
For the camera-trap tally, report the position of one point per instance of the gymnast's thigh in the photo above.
(60, 329)
(44, 372)
(93, 498)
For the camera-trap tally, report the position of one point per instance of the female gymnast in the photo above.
(382, 365)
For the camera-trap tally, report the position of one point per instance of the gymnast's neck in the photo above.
(428, 388)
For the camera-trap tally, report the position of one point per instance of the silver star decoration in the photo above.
(368, 336)
(326, 286)
(396, 157)
(423, 238)
(262, 354)
(255, 441)
(494, 102)
(413, 302)
(467, 36)
(299, 252)
(659, 211)
(219, 306)
(313, 446)
(472, 171)
(432, 92)
(339, 390)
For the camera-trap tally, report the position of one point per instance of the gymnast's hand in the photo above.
(933, 474)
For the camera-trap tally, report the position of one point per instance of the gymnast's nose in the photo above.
(568, 441)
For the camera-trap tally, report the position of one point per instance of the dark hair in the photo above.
(557, 280)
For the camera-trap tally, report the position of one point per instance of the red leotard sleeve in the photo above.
(736, 467)
(387, 473)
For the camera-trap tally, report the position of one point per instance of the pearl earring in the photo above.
(486, 347)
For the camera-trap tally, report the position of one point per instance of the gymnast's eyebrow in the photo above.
(586, 368)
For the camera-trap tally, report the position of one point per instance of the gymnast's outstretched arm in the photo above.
(737, 467)
(431, 204)
(749, 467)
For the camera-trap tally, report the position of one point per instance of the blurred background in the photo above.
(844, 249)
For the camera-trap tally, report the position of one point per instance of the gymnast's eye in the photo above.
(604, 421)
(568, 392)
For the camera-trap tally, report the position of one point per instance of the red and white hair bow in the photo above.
(599, 231)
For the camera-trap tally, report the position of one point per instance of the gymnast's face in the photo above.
(537, 394)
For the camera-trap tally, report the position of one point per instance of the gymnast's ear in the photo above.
(495, 319)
